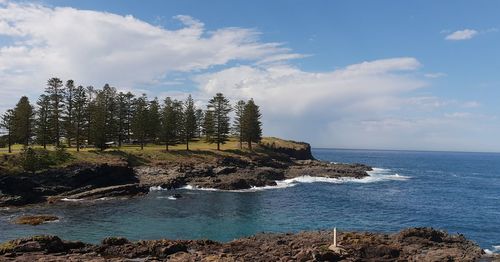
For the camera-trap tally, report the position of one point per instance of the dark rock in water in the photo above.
(176, 196)
(35, 220)
(416, 244)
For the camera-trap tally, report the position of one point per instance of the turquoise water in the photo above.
(459, 192)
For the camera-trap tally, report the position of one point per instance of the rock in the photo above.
(111, 191)
(35, 220)
(114, 241)
(415, 244)
(224, 170)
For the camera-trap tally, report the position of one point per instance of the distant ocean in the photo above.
(458, 192)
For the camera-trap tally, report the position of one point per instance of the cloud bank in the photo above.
(371, 104)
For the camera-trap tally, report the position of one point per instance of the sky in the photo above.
(420, 75)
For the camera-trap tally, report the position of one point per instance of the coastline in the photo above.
(413, 244)
(238, 170)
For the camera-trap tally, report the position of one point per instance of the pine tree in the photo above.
(68, 121)
(42, 121)
(55, 93)
(239, 109)
(8, 123)
(208, 125)
(252, 126)
(189, 121)
(91, 94)
(199, 122)
(80, 102)
(103, 117)
(220, 107)
(130, 112)
(23, 122)
(122, 117)
(154, 120)
(140, 120)
(169, 122)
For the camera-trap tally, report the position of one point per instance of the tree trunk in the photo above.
(10, 143)
(218, 146)
(250, 144)
(78, 139)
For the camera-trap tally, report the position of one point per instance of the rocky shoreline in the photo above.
(413, 244)
(95, 181)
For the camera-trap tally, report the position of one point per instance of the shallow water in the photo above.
(459, 192)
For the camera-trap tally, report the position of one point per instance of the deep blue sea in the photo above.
(458, 192)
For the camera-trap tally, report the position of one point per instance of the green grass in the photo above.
(152, 154)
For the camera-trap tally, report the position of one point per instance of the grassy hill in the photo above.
(200, 151)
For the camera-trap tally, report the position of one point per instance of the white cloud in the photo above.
(462, 35)
(97, 47)
(435, 75)
(284, 89)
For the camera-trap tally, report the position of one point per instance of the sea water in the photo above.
(458, 192)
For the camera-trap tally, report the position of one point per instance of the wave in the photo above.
(496, 250)
(157, 188)
(376, 175)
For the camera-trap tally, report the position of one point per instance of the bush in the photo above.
(33, 160)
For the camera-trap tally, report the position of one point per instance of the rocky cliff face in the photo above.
(30, 188)
(297, 150)
(414, 244)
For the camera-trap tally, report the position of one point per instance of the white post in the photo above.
(335, 237)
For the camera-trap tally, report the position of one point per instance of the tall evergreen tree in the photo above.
(199, 122)
(55, 93)
(154, 120)
(170, 118)
(239, 109)
(189, 121)
(209, 125)
(7, 123)
(252, 126)
(91, 94)
(23, 121)
(42, 121)
(122, 117)
(80, 114)
(130, 113)
(140, 120)
(68, 121)
(103, 117)
(220, 107)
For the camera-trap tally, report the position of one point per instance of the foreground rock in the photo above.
(35, 220)
(414, 244)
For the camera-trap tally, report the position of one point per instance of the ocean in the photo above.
(454, 191)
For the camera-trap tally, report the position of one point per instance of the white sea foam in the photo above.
(376, 175)
(72, 199)
(496, 250)
(171, 198)
(157, 188)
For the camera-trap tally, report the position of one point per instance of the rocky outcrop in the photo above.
(326, 169)
(30, 188)
(414, 244)
(294, 149)
(35, 220)
(243, 170)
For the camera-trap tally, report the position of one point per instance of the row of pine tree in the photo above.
(77, 116)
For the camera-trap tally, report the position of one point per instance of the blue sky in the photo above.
(430, 79)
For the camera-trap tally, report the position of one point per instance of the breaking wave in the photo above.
(376, 175)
